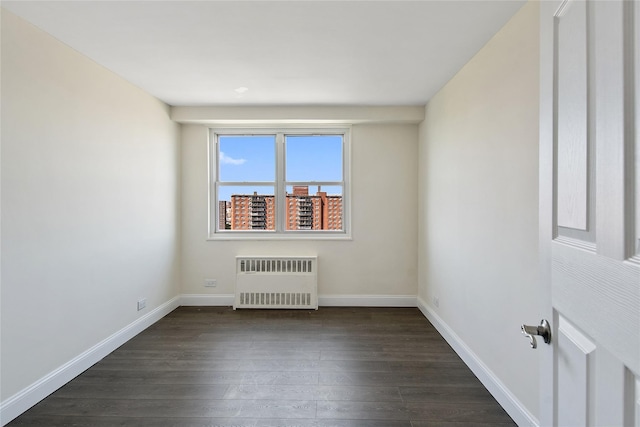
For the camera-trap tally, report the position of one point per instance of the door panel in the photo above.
(589, 220)
(572, 115)
(632, 397)
(634, 70)
(635, 405)
(615, 127)
(601, 296)
(576, 355)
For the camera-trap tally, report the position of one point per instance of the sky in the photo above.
(253, 159)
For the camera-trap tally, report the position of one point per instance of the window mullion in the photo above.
(280, 187)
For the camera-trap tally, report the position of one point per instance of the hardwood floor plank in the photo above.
(142, 391)
(331, 423)
(161, 364)
(457, 412)
(407, 379)
(334, 367)
(447, 394)
(160, 377)
(364, 410)
(278, 409)
(363, 394)
(353, 366)
(280, 378)
(460, 424)
(54, 405)
(93, 421)
(391, 356)
(255, 354)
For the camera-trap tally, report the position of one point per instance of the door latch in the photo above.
(544, 330)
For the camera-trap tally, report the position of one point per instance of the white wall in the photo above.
(478, 205)
(381, 260)
(90, 204)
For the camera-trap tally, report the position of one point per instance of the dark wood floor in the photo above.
(338, 367)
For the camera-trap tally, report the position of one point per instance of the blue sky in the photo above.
(253, 158)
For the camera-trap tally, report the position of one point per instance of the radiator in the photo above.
(276, 282)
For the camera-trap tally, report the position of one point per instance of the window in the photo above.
(279, 183)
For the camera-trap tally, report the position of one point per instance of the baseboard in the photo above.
(25, 399)
(367, 300)
(500, 392)
(323, 300)
(206, 300)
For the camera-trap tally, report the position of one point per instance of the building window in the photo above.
(275, 183)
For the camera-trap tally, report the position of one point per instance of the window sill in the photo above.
(253, 236)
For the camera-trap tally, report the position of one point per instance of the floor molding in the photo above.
(498, 390)
(207, 300)
(323, 300)
(25, 399)
(367, 300)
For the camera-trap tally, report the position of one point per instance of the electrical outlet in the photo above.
(142, 303)
(210, 283)
(436, 301)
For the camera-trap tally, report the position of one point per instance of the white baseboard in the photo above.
(206, 300)
(323, 300)
(367, 300)
(498, 390)
(25, 399)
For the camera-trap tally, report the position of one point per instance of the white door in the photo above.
(589, 212)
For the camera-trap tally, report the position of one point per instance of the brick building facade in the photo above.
(303, 211)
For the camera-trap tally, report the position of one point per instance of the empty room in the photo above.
(320, 213)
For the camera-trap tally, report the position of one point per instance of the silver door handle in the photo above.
(544, 330)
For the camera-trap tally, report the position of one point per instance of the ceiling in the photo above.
(356, 53)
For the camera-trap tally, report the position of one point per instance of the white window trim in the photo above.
(280, 185)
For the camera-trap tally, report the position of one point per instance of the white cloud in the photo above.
(230, 160)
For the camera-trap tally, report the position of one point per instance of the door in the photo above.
(589, 212)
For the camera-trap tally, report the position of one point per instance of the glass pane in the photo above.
(247, 158)
(313, 208)
(246, 208)
(314, 158)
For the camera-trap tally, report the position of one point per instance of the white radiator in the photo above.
(276, 282)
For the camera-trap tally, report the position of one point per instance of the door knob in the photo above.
(544, 330)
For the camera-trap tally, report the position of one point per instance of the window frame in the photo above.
(279, 185)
